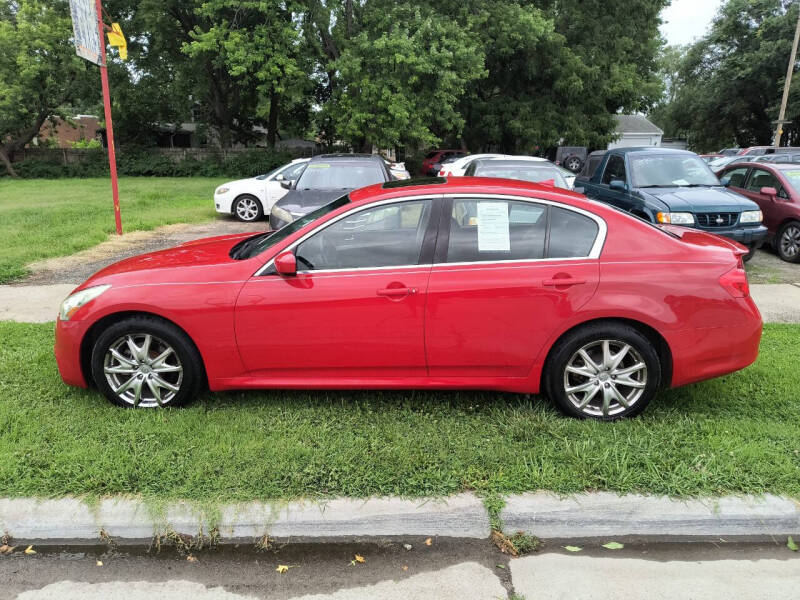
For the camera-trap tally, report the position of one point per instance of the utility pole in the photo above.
(786, 85)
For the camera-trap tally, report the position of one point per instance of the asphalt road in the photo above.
(444, 570)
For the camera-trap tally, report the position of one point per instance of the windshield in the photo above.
(340, 175)
(262, 177)
(530, 173)
(258, 243)
(794, 178)
(671, 171)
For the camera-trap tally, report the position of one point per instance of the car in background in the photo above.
(433, 160)
(459, 164)
(776, 189)
(709, 157)
(325, 178)
(250, 199)
(779, 157)
(718, 164)
(666, 186)
(452, 284)
(762, 150)
(571, 157)
(729, 151)
(524, 170)
(397, 169)
(568, 176)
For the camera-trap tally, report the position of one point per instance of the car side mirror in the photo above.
(279, 177)
(769, 191)
(287, 184)
(618, 185)
(725, 181)
(286, 264)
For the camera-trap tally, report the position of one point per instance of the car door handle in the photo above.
(564, 281)
(396, 292)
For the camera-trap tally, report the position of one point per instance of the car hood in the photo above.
(701, 199)
(188, 256)
(304, 201)
(239, 182)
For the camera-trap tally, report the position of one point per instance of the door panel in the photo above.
(333, 324)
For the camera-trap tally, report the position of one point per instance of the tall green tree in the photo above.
(39, 70)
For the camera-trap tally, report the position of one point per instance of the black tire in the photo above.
(247, 208)
(566, 353)
(751, 252)
(573, 163)
(788, 249)
(145, 371)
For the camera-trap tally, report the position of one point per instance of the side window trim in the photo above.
(440, 257)
(268, 267)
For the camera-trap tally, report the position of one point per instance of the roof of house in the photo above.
(635, 124)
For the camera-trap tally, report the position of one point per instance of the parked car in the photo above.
(662, 185)
(761, 150)
(717, 164)
(782, 157)
(524, 170)
(433, 160)
(325, 178)
(729, 151)
(709, 157)
(568, 176)
(776, 189)
(464, 283)
(458, 166)
(571, 157)
(252, 198)
(397, 169)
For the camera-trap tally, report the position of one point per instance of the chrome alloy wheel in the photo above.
(247, 209)
(790, 242)
(605, 378)
(143, 370)
(573, 165)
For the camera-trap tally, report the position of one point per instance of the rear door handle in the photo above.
(396, 292)
(565, 281)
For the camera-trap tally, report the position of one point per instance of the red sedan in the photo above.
(471, 283)
(775, 187)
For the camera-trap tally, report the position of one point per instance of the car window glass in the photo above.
(591, 166)
(760, 178)
(737, 176)
(531, 172)
(572, 234)
(671, 170)
(382, 236)
(615, 169)
(492, 230)
(342, 175)
(292, 172)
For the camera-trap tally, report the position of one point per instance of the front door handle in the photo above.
(563, 281)
(396, 292)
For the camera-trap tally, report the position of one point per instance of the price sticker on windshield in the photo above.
(493, 231)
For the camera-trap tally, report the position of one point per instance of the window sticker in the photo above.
(319, 166)
(493, 231)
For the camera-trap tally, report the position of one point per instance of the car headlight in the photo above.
(676, 218)
(72, 303)
(282, 214)
(751, 216)
(222, 190)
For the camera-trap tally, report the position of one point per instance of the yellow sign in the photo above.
(116, 39)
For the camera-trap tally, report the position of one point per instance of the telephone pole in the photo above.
(781, 117)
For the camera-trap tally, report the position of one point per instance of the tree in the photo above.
(730, 82)
(39, 70)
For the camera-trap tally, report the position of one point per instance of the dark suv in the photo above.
(663, 185)
(327, 177)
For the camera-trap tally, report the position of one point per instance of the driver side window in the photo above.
(381, 236)
(615, 170)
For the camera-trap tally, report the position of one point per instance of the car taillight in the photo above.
(735, 282)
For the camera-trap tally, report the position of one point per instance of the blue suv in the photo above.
(662, 185)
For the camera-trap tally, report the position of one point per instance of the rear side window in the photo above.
(615, 169)
(590, 166)
(496, 230)
(760, 178)
(736, 176)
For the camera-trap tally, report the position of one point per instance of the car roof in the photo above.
(345, 157)
(521, 162)
(651, 150)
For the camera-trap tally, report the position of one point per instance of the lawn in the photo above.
(736, 434)
(42, 218)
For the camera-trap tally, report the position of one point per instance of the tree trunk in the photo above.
(7, 162)
(272, 125)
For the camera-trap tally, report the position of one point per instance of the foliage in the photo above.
(39, 70)
(729, 84)
(93, 143)
(733, 435)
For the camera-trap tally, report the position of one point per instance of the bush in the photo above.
(140, 161)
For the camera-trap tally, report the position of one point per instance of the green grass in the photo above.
(44, 218)
(736, 434)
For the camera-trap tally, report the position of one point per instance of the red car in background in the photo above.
(433, 160)
(471, 283)
(775, 187)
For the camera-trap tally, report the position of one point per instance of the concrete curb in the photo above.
(604, 515)
(582, 516)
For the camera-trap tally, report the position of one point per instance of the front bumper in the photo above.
(68, 351)
(752, 237)
(223, 203)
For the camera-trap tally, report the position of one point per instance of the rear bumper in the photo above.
(68, 351)
(749, 236)
(700, 354)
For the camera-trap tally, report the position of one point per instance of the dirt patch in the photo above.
(77, 267)
(766, 267)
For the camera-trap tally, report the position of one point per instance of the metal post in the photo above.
(112, 157)
(787, 83)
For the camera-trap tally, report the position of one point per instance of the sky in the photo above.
(687, 20)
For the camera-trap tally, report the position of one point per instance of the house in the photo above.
(635, 131)
(63, 133)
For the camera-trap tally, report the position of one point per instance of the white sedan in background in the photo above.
(458, 168)
(250, 199)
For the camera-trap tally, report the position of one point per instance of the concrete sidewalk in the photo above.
(778, 303)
